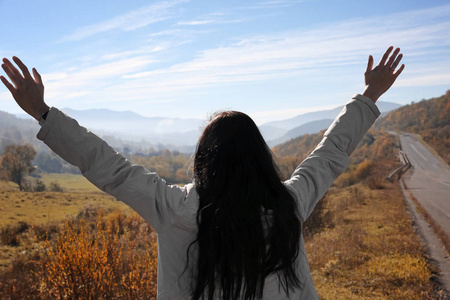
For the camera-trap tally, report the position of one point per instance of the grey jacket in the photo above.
(171, 209)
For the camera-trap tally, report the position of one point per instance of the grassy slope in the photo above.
(42, 207)
(428, 118)
(369, 250)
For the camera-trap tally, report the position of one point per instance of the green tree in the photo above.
(16, 162)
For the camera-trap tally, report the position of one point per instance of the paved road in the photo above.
(428, 180)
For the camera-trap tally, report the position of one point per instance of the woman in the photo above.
(235, 232)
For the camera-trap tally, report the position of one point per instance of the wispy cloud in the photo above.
(78, 82)
(280, 3)
(196, 22)
(295, 52)
(130, 21)
(331, 51)
(274, 4)
(212, 18)
(131, 53)
(425, 80)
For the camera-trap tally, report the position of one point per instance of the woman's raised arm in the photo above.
(144, 191)
(313, 177)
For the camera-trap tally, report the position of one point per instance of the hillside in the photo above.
(14, 130)
(307, 128)
(375, 143)
(278, 132)
(290, 154)
(428, 118)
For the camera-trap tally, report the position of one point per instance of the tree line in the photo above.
(18, 161)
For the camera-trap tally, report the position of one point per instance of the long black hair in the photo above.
(248, 222)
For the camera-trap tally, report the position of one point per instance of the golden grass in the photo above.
(370, 249)
(43, 207)
(70, 182)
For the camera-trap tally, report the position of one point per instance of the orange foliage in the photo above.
(87, 262)
(96, 255)
(376, 148)
(288, 155)
(172, 166)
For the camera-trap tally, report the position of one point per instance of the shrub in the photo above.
(27, 186)
(101, 263)
(10, 235)
(55, 187)
(100, 254)
(19, 281)
(363, 170)
(319, 219)
(39, 186)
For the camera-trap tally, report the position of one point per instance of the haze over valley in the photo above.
(136, 132)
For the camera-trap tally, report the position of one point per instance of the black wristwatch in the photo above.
(44, 115)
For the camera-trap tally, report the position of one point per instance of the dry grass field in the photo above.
(40, 208)
(83, 244)
(43, 207)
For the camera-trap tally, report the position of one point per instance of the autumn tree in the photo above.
(16, 162)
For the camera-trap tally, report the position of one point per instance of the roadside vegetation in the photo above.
(360, 240)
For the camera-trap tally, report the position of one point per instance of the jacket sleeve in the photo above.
(144, 191)
(313, 177)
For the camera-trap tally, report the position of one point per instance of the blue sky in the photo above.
(271, 59)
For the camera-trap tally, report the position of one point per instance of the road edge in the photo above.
(435, 249)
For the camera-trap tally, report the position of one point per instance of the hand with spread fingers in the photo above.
(379, 79)
(26, 90)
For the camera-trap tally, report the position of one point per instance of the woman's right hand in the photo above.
(381, 78)
(27, 91)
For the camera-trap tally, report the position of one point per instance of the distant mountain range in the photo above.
(119, 127)
(131, 126)
(278, 132)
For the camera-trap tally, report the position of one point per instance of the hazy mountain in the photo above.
(283, 130)
(296, 121)
(386, 107)
(136, 132)
(131, 126)
(308, 128)
(130, 122)
(271, 132)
